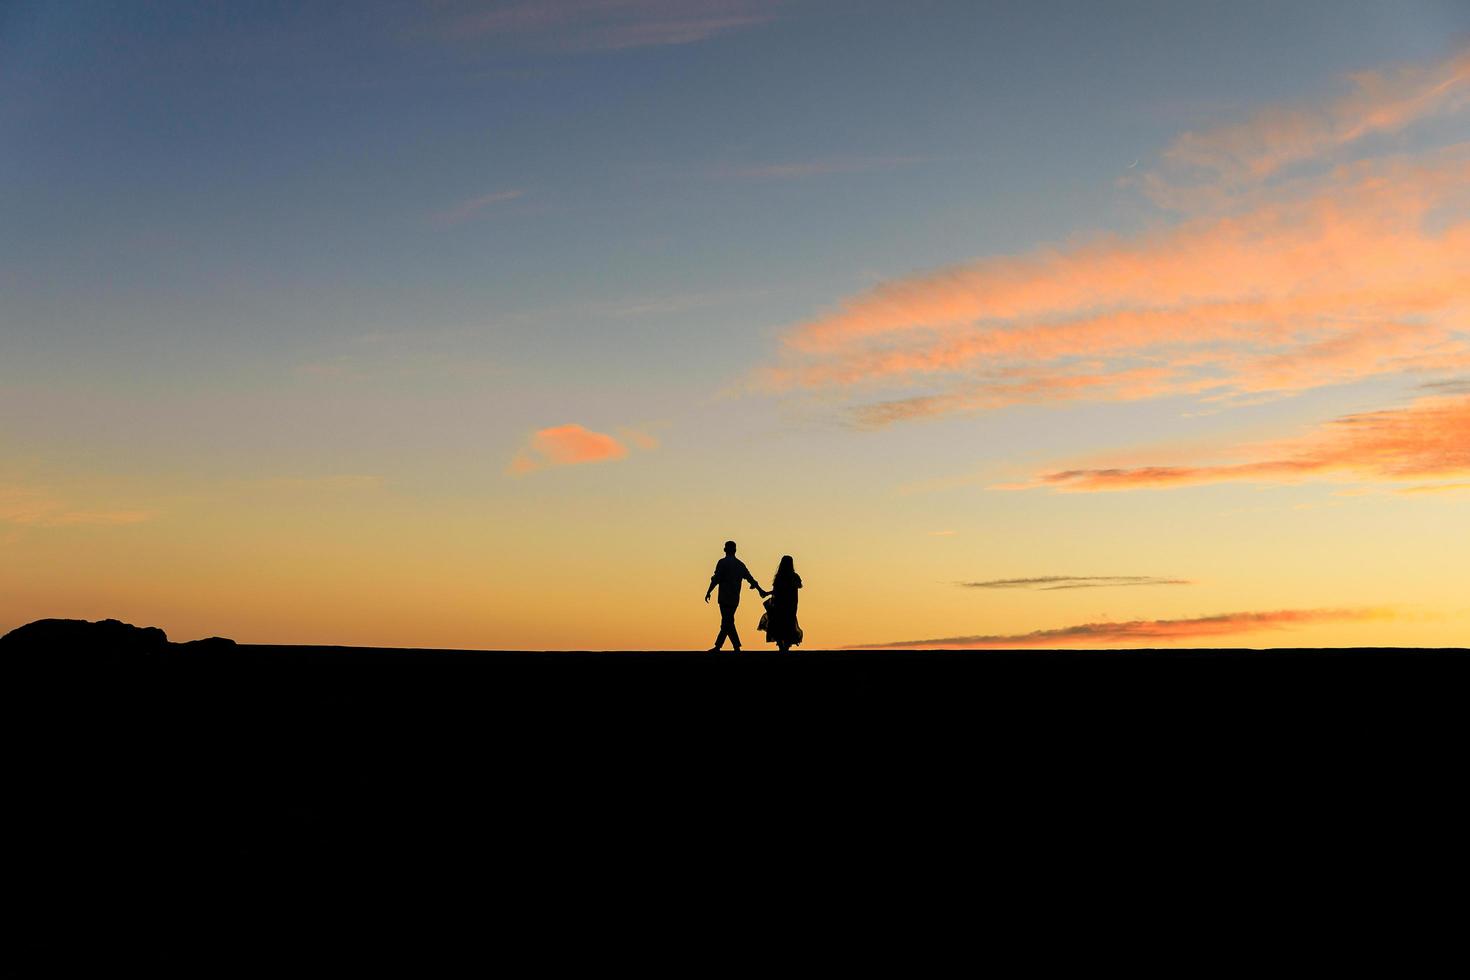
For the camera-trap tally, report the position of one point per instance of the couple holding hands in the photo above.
(779, 622)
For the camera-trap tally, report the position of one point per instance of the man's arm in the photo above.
(751, 579)
(713, 581)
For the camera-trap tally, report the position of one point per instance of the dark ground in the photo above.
(567, 777)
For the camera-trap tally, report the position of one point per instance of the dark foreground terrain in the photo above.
(497, 707)
(138, 759)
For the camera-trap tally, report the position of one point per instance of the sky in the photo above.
(439, 323)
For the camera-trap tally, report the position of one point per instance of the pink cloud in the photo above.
(1428, 439)
(1145, 632)
(566, 445)
(1354, 271)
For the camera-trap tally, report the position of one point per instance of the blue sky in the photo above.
(293, 160)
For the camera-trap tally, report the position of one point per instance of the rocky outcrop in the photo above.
(105, 636)
(73, 633)
(210, 644)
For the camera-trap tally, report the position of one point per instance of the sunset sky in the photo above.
(1042, 323)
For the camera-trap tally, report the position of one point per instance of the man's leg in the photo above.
(727, 626)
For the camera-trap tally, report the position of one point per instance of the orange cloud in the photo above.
(566, 445)
(640, 438)
(1351, 272)
(1379, 102)
(1144, 631)
(1429, 439)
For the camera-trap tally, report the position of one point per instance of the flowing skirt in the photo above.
(780, 623)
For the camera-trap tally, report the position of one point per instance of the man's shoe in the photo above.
(713, 650)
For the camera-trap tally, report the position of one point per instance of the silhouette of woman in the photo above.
(781, 625)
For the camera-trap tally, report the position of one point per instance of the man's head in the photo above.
(729, 547)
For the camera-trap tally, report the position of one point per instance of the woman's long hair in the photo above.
(786, 572)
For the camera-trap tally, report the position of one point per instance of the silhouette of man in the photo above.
(729, 573)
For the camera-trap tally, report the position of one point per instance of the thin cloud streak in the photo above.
(1452, 386)
(610, 25)
(102, 518)
(1143, 631)
(640, 439)
(1354, 270)
(815, 168)
(1436, 488)
(1428, 439)
(32, 507)
(331, 482)
(465, 210)
(1384, 101)
(1050, 583)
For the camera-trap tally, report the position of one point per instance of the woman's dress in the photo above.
(781, 625)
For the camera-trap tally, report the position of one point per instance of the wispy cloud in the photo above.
(1436, 488)
(1376, 102)
(68, 518)
(814, 168)
(1049, 583)
(1346, 270)
(608, 25)
(1145, 632)
(1451, 386)
(474, 206)
(639, 438)
(1428, 439)
(672, 303)
(331, 482)
(33, 507)
(566, 445)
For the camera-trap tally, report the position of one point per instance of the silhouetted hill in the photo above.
(78, 637)
(109, 634)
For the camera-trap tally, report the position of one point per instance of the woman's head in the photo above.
(787, 567)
